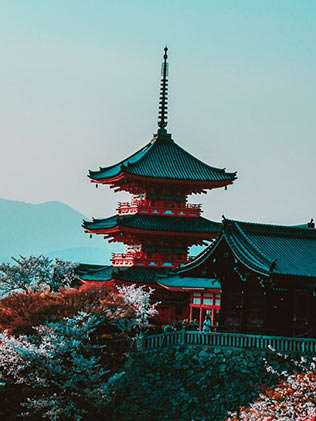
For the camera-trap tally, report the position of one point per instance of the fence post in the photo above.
(225, 339)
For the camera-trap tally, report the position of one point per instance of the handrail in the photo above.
(138, 258)
(142, 203)
(167, 208)
(230, 340)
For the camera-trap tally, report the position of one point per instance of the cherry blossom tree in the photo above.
(62, 367)
(140, 298)
(68, 368)
(31, 274)
(293, 399)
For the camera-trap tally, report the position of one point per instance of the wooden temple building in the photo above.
(267, 276)
(252, 278)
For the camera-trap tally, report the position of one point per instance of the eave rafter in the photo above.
(119, 231)
(134, 183)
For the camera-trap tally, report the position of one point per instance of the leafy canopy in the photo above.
(32, 274)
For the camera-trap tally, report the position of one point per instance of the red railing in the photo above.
(146, 207)
(139, 259)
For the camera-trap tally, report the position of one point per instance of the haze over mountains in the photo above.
(50, 228)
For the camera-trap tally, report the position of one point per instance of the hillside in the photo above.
(50, 228)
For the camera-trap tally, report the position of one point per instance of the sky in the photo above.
(80, 87)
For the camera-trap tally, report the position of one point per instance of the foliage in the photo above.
(184, 383)
(35, 274)
(19, 312)
(68, 367)
(293, 399)
(140, 297)
(187, 384)
(61, 366)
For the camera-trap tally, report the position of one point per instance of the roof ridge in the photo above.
(287, 227)
(240, 252)
(147, 146)
(222, 170)
(152, 145)
(202, 256)
(253, 246)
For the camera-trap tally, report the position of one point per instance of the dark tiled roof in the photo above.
(188, 282)
(99, 273)
(139, 275)
(280, 249)
(163, 158)
(155, 223)
(94, 273)
(266, 249)
(200, 258)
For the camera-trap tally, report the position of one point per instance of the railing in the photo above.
(230, 340)
(140, 260)
(124, 259)
(145, 207)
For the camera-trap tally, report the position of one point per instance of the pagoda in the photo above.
(158, 225)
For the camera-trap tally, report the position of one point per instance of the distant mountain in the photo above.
(53, 229)
(50, 228)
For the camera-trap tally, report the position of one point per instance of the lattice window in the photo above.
(197, 298)
(207, 299)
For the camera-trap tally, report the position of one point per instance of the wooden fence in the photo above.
(230, 340)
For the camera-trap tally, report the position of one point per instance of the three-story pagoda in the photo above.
(158, 225)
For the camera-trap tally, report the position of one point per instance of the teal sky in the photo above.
(80, 86)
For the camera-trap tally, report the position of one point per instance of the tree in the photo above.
(140, 297)
(69, 367)
(62, 368)
(31, 274)
(293, 399)
(128, 307)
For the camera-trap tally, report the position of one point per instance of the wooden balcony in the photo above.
(139, 259)
(160, 208)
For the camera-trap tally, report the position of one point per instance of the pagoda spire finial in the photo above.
(163, 100)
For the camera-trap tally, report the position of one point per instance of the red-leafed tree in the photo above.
(70, 355)
(293, 399)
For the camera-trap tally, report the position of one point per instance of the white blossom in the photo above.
(35, 274)
(140, 298)
(294, 399)
(61, 366)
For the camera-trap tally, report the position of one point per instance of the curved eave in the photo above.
(257, 263)
(236, 250)
(153, 224)
(116, 168)
(189, 283)
(245, 258)
(201, 257)
(190, 289)
(138, 231)
(205, 184)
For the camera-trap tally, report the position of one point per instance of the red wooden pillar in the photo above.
(201, 317)
(212, 317)
(191, 314)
